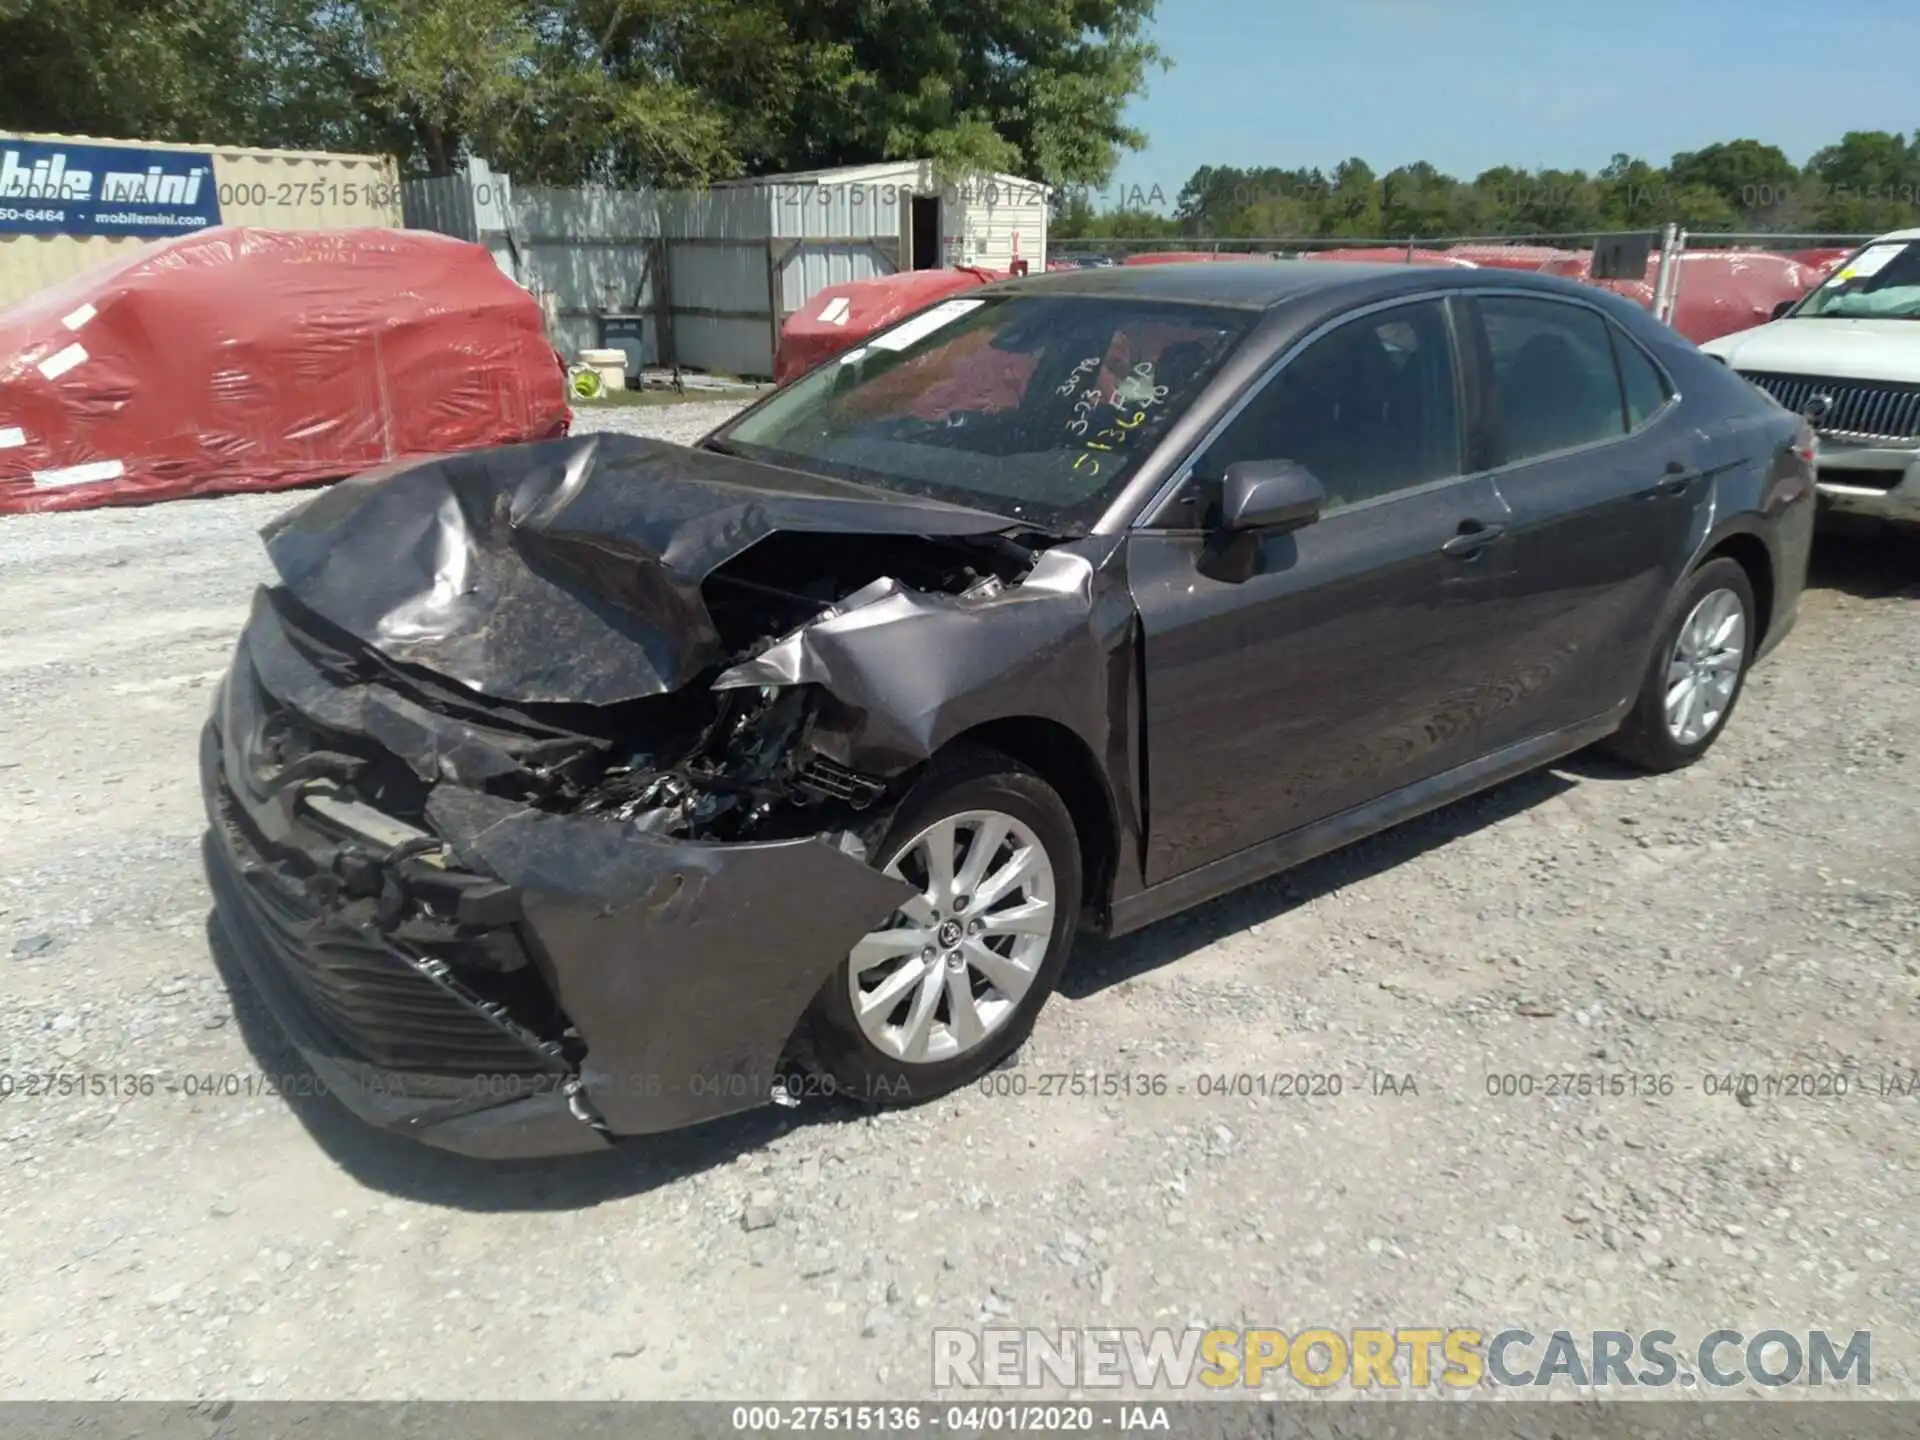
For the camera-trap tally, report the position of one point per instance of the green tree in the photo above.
(1630, 193)
(1870, 181)
(1352, 206)
(167, 70)
(1076, 218)
(532, 87)
(1704, 208)
(1749, 176)
(1036, 88)
(1226, 200)
(672, 91)
(1418, 200)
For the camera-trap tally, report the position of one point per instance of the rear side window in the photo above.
(1554, 385)
(1645, 387)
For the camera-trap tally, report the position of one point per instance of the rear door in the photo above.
(1604, 477)
(1354, 660)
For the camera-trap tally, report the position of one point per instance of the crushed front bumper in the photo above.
(507, 982)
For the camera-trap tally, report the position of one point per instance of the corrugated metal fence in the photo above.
(702, 278)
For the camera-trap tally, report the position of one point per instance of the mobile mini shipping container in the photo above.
(69, 202)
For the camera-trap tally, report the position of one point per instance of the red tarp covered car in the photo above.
(840, 316)
(1512, 257)
(1819, 263)
(239, 359)
(1389, 255)
(1179, 257)
(1720, 291)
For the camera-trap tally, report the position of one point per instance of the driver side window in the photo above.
(1371, 408)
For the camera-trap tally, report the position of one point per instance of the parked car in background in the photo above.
(1848, 355)
(586, 789)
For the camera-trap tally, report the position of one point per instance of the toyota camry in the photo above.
(585, 789)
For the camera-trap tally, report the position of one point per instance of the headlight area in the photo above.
(466, 909)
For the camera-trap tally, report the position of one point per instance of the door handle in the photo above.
(1474, 536)
(1676, 481)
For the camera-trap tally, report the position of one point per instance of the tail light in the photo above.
(1806, 445)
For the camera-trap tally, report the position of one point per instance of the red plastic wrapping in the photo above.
(1720, 291)
(1179, 257)
(1513, 257)
(1819, 263)
(1390, 255)
(841, 316)
(237, 359)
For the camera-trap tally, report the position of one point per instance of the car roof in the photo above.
(1263, 284)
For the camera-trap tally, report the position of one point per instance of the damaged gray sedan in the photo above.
(591, 788)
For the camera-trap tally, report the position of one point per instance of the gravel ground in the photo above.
(1756, 913)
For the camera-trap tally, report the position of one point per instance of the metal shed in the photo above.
(787, 237)
(706, 278)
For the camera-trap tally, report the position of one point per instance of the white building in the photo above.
(824, 227)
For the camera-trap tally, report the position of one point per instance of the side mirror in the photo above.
(1782, 308)
(1269, 496)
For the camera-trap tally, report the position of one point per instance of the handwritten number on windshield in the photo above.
(1089, 401)
(1085, 367)
(1136, 390)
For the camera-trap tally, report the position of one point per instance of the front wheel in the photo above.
(1696, 674)
(950, 984)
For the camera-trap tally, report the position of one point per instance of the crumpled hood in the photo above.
(1853, 349)
(568, 570)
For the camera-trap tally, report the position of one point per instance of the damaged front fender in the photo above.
(906, 672)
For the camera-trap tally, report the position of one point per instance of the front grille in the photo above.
(836, 782)
(1861, 410)
(365, 998)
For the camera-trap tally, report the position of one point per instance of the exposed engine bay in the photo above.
(722, 764)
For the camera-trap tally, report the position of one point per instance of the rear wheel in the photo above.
(1696, 674)
(950, 984)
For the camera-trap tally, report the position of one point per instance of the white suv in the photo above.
(1848, 356)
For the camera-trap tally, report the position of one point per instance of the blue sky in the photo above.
(1477, 83)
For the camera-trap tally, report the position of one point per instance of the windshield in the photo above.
(1036, 407)
(1882, 282)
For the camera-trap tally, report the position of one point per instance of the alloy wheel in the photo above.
(952, 965)
(1704, 669)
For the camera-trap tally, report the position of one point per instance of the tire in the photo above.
(970, 781)
(1645, 739)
